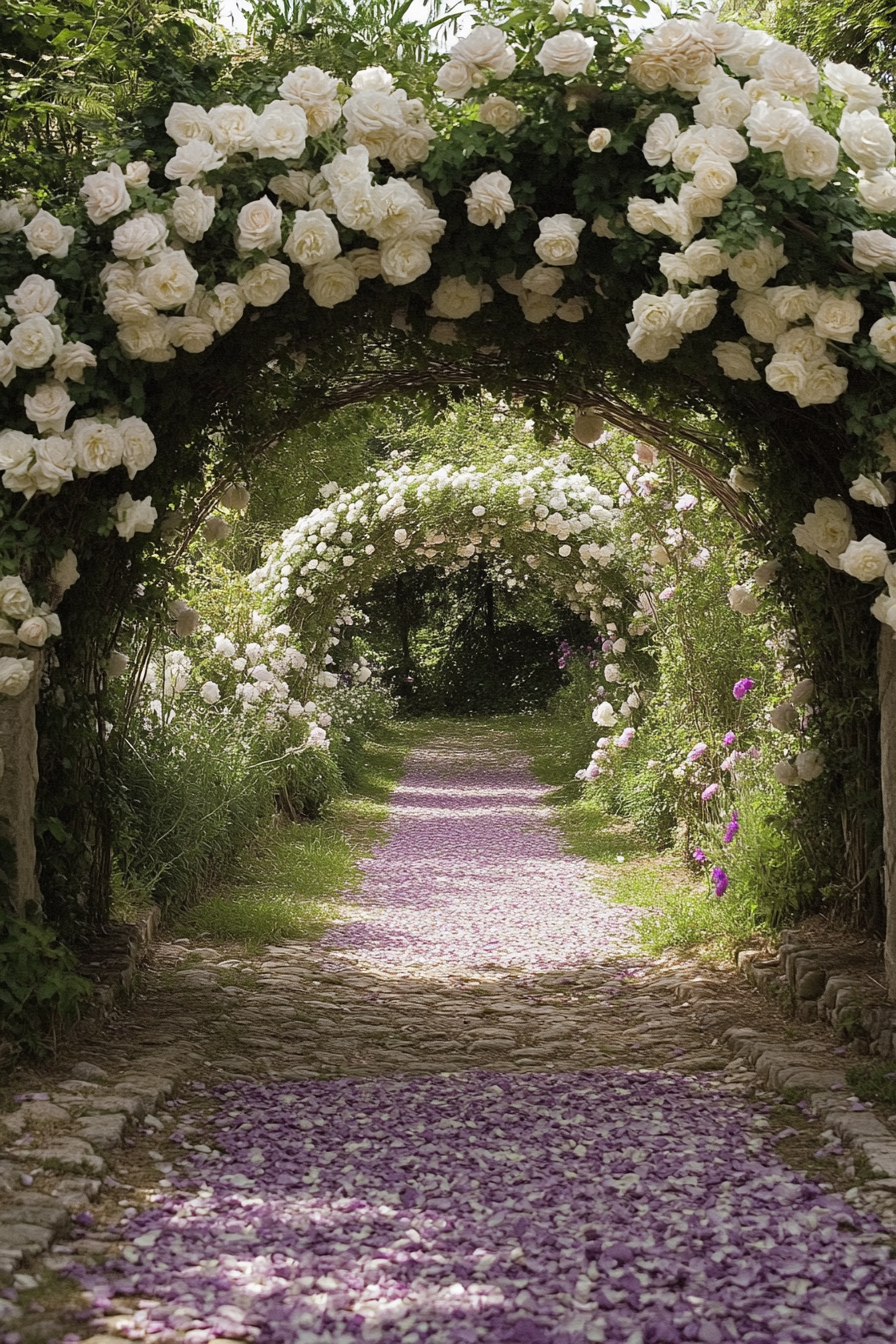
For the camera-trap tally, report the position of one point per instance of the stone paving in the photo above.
(96, 1147)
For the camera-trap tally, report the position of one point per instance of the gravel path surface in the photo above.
(444, 1124)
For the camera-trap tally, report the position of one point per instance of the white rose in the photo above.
(805, 342)
(812, 154)
(15, 600)
(785, 773)
(146, 339)
(136, 173)
(758, 316)
(541, 279)
(697, 310)
(766, 573)
(872, 490)
(743, 51)
(54, 460)
(170, 280)
(500, 113)
(688, 147)
(789, 71)
(233, 128)
(331, 282)
(123, 300)
(15, 674)
(192, 160)
(98, 446)
(133, 515)
(741, 600)
(735, 361)
(11, 217)
(697, 204)
(313, 239)
(567, 54)
(139, 236)
(604, 714)
(366, 261)
(16, 459)
(444, 333)
(676, 269)
(46, 237)
(866, 559)
(455, 79)
(787, 372)
(599, 139)
(265, 283)
(587, 427)
(259, 225)
(34, 632)
(878, 192)
(210, 692)
(722, 102)
(485, 48)
(375, 79)
(224, 306)
(825, 383)
(216, 529)
(455, 298)
(728, 143)
(809, 765)
(867, 139)
(106, 194)
(64, 574)
(281, 131)
(648, 345)
(404, 260)
(660, 140)
(705, 258)
(884, 609)
(490, 201)
(873, 250)
(744, 480)
(714, 175)
(558, 240)
(883, 338)
(755, 266)
(48, 407)
(642, 214)
(34, 297)
(138, 444)
(656, 313)
(186, 122)
(783, 717)
(292, 186)
(793, 302)
(7, 365)
(771, 128)
(837, 319)
(827, 531)
(192, 212)
(854, 85)
(33, 342)
(316, 93)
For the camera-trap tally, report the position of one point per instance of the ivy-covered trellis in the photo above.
(686, 233)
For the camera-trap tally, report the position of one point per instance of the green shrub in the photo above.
(39, 990)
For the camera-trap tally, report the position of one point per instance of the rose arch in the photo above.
(686, 234)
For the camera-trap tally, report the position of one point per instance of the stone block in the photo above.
(810, 980)
(26, 1238)
(68, 1155)
(92, 1073)
(103, 1131)
(32, 1206)
(834, 984)
(881, 1154)
(806, 1010)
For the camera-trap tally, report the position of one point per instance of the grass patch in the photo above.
(679, 910)
(293, 877)
(874, 1081)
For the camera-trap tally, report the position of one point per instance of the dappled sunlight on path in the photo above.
(473, 875)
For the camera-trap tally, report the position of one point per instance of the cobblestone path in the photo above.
(473, 1112)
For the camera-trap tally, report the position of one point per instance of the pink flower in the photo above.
(728, 739)
(742, 687)
(625, 737)
(696, 752)
(710, 792)
(685, 503)
(666, 594)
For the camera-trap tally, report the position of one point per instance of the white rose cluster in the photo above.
(482, 55)
(23, 625)
(751, 93)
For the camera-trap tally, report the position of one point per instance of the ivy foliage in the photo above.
(39, 988)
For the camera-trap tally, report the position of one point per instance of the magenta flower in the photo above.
(720, 881)
(709, 792)
(696, 752)
(742, 687)
(698, 855)
(731, 829)
(729, 739)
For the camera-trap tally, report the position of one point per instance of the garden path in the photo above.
(472, 1112)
